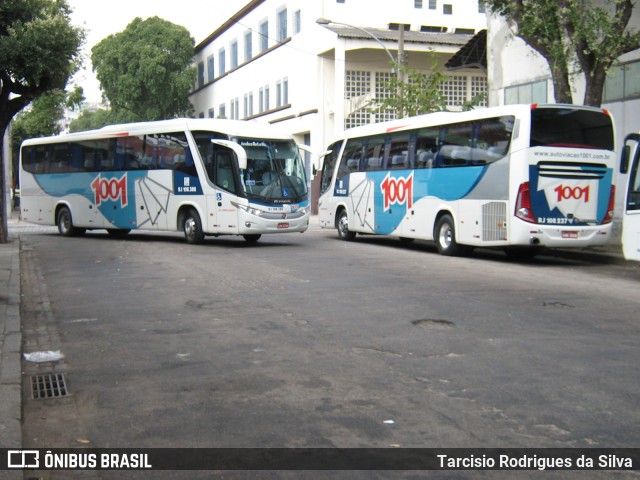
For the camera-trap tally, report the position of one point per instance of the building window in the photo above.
(622, 82)
(267, 103)
(285, 91)
(248, 104)
(417, 3)
(340, 1)
(278, 94)
(234, 54)
(297, 22)
(482, 6)
(222, 67)
(433, 5)
(535, 92)
(264, 35)
(447, 9)
(222, 111)
(281, 25)
(211, 113)
(210, 71)
(248, 45)
(200, 74)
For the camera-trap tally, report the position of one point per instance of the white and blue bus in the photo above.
(630, 163)
(201, 176)
(518, 177)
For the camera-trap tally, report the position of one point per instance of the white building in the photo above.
(274, 62)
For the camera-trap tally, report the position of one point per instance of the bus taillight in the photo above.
(608, 218)
(523, 204)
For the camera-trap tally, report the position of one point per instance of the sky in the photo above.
(101, 19)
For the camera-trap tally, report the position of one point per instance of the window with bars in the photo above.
(357, 83)
(455, 89)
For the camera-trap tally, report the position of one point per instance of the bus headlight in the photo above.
(249, 210)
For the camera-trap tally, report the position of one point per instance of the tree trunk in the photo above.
(595, 87)
(561, 85)
(4, 229)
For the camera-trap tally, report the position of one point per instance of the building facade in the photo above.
(312, 66)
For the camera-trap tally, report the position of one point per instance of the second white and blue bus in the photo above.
(519, 177)
(201, 176)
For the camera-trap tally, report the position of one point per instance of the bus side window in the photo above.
(398, 152)
(426, 147)
(493, 139)
(374, 154)
(456, 149)
(350, 158)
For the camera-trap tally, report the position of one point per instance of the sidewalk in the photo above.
(10, 348)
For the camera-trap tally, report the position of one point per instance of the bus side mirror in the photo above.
(624, 159)
(314, 157)
(240, 152)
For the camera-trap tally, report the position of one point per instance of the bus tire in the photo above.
(445, 237)
(192, 228)
(252, 238)
(64, 221)
(342, 224)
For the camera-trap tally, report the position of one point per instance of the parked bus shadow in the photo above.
(547, 256)
(230, 241)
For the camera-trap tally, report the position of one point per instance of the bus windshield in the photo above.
(275, 171)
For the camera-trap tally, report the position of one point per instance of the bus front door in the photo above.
(226, 217)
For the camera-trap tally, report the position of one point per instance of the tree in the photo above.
(43, 118)
(144, 71)
(91, 120)
(416, 93)
(39, 52)
(419, 94)
(575, 37)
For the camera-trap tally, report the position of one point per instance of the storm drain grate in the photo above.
(48, 385)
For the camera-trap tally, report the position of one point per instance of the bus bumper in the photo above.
(564, 237)
(251, 224)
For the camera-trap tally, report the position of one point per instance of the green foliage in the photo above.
(91, 120)
(583, 37)
(145, 71)
(45, 115)
(416, 93)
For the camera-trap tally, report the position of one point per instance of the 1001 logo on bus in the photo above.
(110, 189)
(572, 193)
(397, 191)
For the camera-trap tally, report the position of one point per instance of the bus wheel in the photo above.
(445, 236)
(65, 224)
(192, 228)
(252, 238)
(343, 227)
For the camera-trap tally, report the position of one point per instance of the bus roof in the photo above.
(233, 128)
(443, 118)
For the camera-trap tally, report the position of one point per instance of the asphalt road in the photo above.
(304, 340)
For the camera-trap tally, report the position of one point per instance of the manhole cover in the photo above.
(432, 323)
(48, 385)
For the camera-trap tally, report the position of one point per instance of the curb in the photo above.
(10, 351)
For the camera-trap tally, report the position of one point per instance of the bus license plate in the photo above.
(567, 234)
(283, 225)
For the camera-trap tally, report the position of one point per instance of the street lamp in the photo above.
(326, 21)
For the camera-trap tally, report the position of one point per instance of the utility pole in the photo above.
(402, 61)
